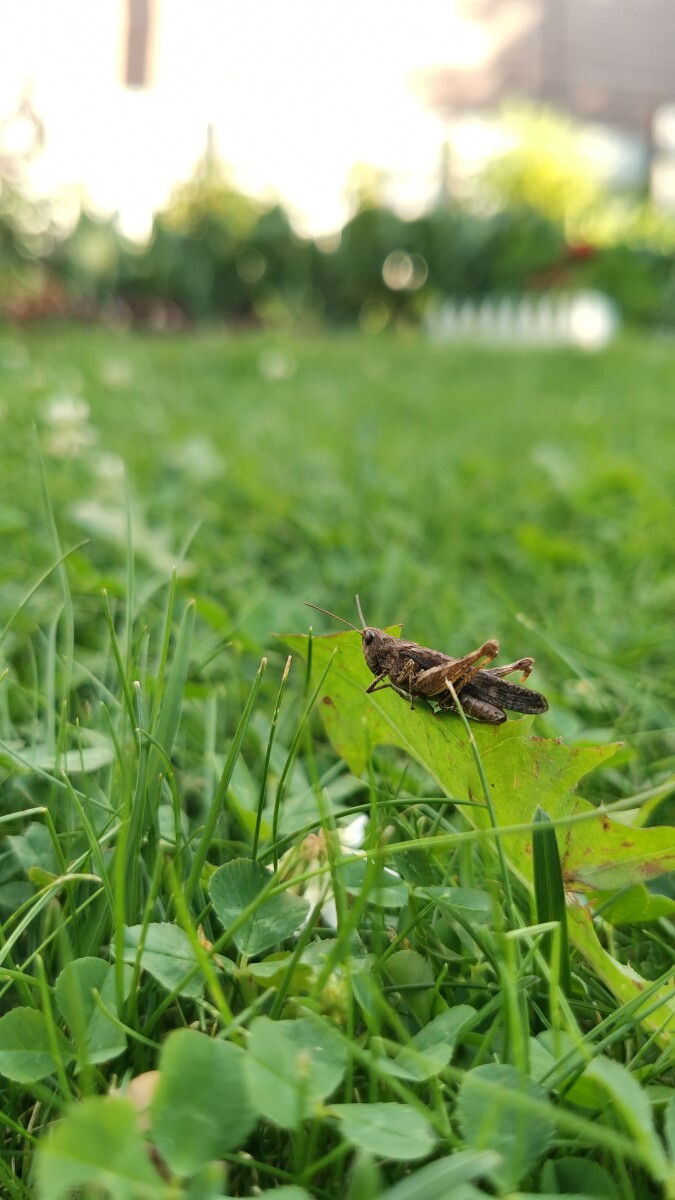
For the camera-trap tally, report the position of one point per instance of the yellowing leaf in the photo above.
(522, 770)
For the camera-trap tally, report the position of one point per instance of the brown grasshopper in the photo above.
(416, 671)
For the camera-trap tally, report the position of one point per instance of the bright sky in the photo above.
(297, 91)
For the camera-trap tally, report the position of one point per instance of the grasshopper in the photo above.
(417, 671)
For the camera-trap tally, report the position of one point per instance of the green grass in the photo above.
(471, 494)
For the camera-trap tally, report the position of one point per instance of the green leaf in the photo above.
(631, 1103)
(207, 1184)
(98, 1143)
(548, 1196)
(292, 1066)
(200, 1108)
(495, 1111)
(389, 890)
(575, 1175)
(365, 1178)
(408, 968)
(12, 896)
(99, 1037)
(430, 1050)
(471, 903)
(620, 978)
(523, 771)
(167, 955)
(439, 1180)
(235, 887)
(26, 1053)
(635, 906)
(549, 892)
(75, 761)
(288, 1192)
(35, 848)
(546, 1050)
(273, 972)
(395, 1131)
(40, 878)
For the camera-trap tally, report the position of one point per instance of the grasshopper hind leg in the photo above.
(523, 664)
(480, 710)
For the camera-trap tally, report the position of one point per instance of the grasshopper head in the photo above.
(373, 641)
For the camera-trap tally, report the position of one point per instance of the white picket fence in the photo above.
(586, 319)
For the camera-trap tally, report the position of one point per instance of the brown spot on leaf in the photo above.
(328, 700)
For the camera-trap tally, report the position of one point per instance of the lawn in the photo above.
(147, 785)
(469, 494)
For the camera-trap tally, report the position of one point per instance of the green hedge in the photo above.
(215, 253)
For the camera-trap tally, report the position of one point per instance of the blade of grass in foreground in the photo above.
(290, 759)
(202, 847)
(549, 894)
(268, 754)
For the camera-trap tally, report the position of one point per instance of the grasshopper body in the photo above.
(417, 671)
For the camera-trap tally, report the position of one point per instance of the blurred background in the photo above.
(315, 299)
(167, 161)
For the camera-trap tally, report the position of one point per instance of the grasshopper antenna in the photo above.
(361, 618)
(332, 614)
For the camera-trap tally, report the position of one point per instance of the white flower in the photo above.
(63, 409)
(70, 432)
(313, 855)
(69, 441)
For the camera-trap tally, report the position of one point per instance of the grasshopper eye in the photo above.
(369, 637)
